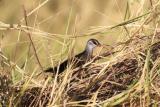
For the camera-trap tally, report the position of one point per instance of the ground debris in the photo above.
(102, 81)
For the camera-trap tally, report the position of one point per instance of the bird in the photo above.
(79, 59)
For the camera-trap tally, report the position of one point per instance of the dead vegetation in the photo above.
(131, 79)
(126, 75)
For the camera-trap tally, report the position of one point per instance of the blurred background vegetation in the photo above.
(70, 23)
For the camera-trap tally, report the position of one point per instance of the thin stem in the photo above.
(30, 38)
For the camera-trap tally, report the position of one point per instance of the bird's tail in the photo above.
(58, 69)
(51, 70)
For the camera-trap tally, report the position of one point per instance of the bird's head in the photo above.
(91, 44)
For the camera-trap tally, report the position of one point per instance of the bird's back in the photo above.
(78, 60)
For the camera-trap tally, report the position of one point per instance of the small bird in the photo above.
(79, 59)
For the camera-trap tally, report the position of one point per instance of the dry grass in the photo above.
(45, 32)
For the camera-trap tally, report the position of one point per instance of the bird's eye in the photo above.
(95, 42)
